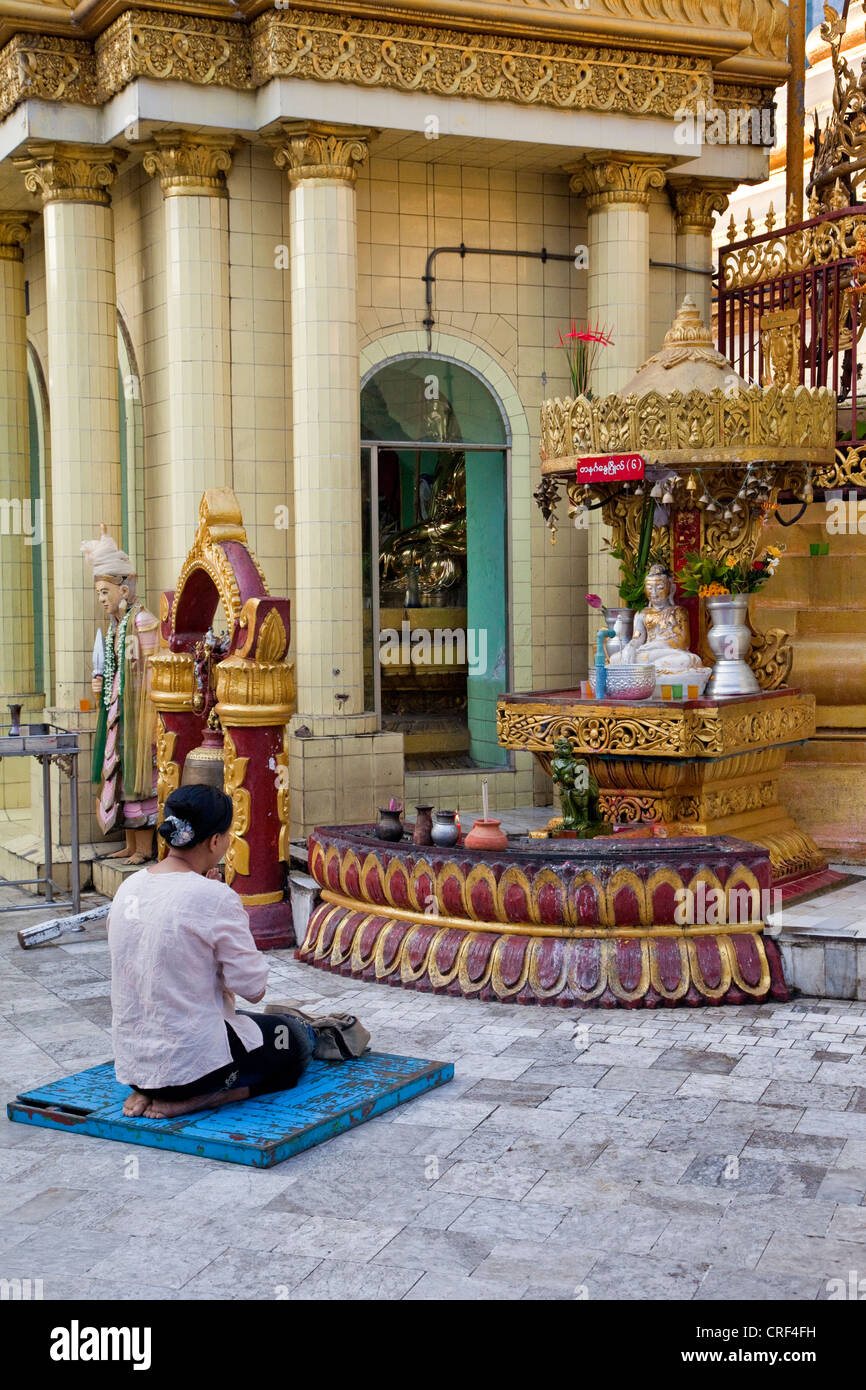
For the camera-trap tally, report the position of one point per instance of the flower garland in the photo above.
(111, 659)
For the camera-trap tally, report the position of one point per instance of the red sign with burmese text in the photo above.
(610, 468)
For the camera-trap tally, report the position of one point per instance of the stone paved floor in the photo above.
(686, 1154)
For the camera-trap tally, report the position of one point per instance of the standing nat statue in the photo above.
(124, 761)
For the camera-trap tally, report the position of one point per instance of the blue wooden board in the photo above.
(260, 1132)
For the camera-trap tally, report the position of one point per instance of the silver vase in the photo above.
(729, 640)
(612, 645)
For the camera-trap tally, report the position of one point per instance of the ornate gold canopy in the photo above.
(687, 407)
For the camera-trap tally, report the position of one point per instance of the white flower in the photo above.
(181, 831)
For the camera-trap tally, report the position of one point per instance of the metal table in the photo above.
(48, 743)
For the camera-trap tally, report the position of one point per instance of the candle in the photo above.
(484, 804)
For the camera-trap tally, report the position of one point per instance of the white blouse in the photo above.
(180, 946)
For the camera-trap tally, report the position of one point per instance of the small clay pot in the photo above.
(423, 832)
(446, 831)
(485, 834)
(389, 826)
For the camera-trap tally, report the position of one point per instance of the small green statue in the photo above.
(578, 792)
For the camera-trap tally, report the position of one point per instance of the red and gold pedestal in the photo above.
(696, 767)
(567, 923)
(255, 699)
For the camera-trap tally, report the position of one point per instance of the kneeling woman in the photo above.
(181, 948)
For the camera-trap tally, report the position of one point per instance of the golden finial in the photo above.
(838, 197)
(792, 214)
(749, 224)
(732, 229)
(771, 218)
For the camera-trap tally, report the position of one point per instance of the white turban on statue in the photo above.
(106, 557)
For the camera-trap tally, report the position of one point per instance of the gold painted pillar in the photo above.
(340, 767)
(73, 182)
(192, 174)
(696, 204)
(23, 520)
(617, 189)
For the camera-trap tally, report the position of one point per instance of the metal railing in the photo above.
(787, 312)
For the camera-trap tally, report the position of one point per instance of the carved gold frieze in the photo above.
(175, 48)
(753, 423)
(366, 51)
(445, 62)
(48, 68)
(668, 731)
(238, 852)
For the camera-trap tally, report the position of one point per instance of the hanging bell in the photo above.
(691, 485)
(668, 498)
(638, 492)
(712, 507)
(705, 499)
(205, 766)
(727, 514)
(736, 507)
(656, 491)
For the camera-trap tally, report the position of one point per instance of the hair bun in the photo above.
(176, 831)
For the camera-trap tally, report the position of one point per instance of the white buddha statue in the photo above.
(661, 630)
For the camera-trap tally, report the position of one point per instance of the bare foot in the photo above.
(169, 1109)
(136, 1104)
(136, 859)
(118, 854)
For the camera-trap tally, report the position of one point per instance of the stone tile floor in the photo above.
(841, 912)
(683, 1154)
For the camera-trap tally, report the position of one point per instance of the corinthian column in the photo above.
(617, 189)
(321, 162)
(697, 202)
(73, 182)
(192, 173)
(21, 519)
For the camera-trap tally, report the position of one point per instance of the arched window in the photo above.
(434, 463)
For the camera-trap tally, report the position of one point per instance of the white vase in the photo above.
(729, 640)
